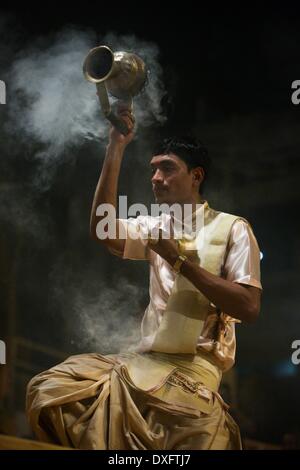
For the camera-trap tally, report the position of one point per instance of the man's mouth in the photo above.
(157, 190)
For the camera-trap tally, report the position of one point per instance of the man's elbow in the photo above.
(103, 242)
(252, 313)
(93, 232)
(93, 228)
(115, 247)
(94, 235)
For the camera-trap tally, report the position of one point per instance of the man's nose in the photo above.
(157, 176)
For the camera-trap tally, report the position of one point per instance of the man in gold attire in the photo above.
(164, 394)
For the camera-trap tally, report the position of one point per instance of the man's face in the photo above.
(171, 180)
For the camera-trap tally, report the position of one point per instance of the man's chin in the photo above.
(162, 199)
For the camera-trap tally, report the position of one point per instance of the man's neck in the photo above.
(194, 201)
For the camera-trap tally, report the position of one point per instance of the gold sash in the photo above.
(187, 308)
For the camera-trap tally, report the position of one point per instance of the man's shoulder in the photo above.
(234, 219)
(242, 234)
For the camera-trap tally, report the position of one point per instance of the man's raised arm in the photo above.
(107, 187)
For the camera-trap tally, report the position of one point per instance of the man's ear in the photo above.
(198, 174)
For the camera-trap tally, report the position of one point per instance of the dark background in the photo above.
(228, 76)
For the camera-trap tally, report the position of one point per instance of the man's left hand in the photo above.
(166, 248)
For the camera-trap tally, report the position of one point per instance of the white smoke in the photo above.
(50, 101)
(108, 323)
(18, 211)
(53, 104)
(96, 316)
(51, 112)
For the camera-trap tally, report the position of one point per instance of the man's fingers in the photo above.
(128, 121)
(128, 115)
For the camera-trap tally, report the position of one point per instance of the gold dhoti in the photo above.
(132, 401)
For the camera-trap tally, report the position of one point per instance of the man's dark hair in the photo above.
(189, 149)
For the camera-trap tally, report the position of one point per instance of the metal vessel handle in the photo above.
(118, 123)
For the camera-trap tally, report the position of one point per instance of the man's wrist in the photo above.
(116, 146)
(171, 259)
(176, 266)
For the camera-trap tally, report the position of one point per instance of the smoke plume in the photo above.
(51, 104)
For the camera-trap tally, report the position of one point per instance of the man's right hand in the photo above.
(115, 136)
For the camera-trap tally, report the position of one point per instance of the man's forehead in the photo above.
(170, 157)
